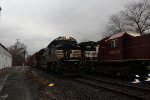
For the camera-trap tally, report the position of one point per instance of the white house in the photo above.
(5, 57)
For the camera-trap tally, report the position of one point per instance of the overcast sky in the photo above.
(37, 22)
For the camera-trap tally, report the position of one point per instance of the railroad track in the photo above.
(115, 83)
(126, 90)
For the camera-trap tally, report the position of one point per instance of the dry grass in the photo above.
(36, 79)
(42, 85)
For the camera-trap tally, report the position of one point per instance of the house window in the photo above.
(114, 44)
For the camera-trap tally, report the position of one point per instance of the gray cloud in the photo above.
(37, 22)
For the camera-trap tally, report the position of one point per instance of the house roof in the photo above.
(4, 47)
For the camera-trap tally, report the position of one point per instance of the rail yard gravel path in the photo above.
(66, 89)
(28, 83)
(15, 87)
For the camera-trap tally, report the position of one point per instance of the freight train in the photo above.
(62, 55)
(122, 54)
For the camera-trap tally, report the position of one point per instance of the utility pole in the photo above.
(0, 11)
(24, 58)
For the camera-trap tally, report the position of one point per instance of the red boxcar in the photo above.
(37, 59)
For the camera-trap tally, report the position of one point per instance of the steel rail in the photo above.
(83, 81)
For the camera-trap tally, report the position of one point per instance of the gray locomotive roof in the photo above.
(88, 43)
(63, 40)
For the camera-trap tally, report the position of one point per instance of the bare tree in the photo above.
(18, 51)
(137, 15)
(115, 24)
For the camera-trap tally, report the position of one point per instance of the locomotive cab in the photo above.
(68, 52)
(64, 55)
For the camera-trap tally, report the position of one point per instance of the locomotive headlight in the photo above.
(137, 76)
(67, 37)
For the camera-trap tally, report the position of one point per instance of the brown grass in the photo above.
(36, 79)
(41, 83)
(5, 70)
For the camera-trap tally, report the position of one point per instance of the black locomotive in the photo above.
(62, 55)
(89, 50)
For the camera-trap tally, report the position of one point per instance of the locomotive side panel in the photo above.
(112, 49)
(50, 55)
(125, 54)
(141, 47)
(42, 59)
(35, 59)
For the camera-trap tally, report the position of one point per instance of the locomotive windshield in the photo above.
(68, 51)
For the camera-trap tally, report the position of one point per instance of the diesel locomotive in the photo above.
(124, 54)
(62, 55)
(89, 51)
